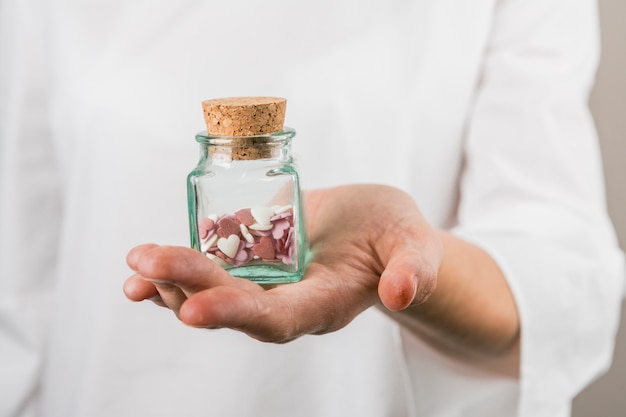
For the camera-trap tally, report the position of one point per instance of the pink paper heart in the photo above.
(228, 226)
(278, 231)
(264, 249)
(245, 216)
(205, 225)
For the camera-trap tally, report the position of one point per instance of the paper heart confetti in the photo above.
(262, 214)
(204, 226)
(280, 226)
(252, 235)
(245, 216)
(229, 246)
(227, 226)
(264, 249)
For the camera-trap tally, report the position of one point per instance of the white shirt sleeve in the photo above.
(532, 195)
(29, 211)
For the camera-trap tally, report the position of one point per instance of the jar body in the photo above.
(245, 209)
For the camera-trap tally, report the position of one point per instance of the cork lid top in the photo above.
(244, 116)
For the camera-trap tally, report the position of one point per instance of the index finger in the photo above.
(180, 266)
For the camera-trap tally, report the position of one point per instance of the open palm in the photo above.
(370, 244)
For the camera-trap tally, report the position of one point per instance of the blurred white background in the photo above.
(607, 396)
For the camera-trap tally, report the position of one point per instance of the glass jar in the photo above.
(245, 208)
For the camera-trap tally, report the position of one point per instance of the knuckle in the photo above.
(276, 323)
(155, 264)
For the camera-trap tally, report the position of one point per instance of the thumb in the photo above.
(407, 280)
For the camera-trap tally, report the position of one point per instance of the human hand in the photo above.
(370, 244)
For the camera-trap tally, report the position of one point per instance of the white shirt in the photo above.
(478, 109)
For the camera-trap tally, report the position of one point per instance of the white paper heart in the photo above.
(281, 209)
(229, 246)
(261, 227)
(216, 259)
(262, 214)
(246, 235)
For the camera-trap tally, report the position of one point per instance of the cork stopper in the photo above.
(248, 122)
(244, 116)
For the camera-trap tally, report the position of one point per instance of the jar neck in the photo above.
(275, 145)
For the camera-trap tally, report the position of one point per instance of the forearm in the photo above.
(472, 313)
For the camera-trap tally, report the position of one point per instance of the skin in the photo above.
(371, 247)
